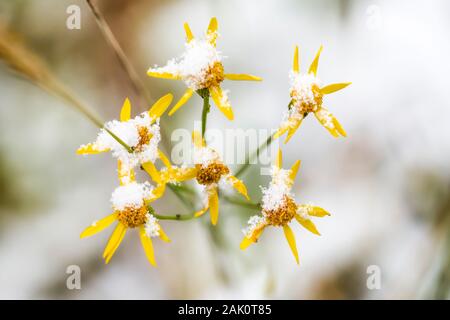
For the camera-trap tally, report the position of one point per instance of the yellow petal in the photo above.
(339, 128)
(295, 66)
(110, 255)
(162, 235)
(162, 75)
(98, 226)
(90, 148)
(334, 87)
(282, 130)
(221, 101)
(245, 243)
(197, 139)
(279, 159)
(201, 212)
(293, 129)
(114, 242)
(148, 246)
(125, 112)
(125, 176)
(150, 168)
(307, 224)
(315, 63)
(238, 185)
(318, 212)
(314, 210)
(212, 31)
(291, 240)
(294, 170)
(329, 122)
(186, 96)
(164, 159)
(160, 106)
(212, 27)
(157, 192)
(213, 203)
(187, 30)
(183, 174)
(241, 77)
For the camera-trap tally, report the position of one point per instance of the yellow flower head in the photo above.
(279, 208)
(138, 138)
(209, 170)
(200, 68)
(131, 209)
(307, 96)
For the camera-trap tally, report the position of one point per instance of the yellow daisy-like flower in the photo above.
(200, 67)
(279, 208)
(131, 205)
(209, 171)
(307, 96)
(138, 138)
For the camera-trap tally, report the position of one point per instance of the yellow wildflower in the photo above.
(209, 171)
(138, 138)
(131, 205)
(279, 208)
(201, 68)
(307, 96)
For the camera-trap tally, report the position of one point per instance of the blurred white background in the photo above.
(386, 184)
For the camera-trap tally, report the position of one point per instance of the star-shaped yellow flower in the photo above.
(209, 171)
(201, 68)
(279, 208)
(132, 141)
(131, 205)
(307, 96)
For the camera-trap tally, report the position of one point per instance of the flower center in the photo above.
(214, 75)
(282, 215)
(132, 217)
(310, 103)
(211, 173)
(144, 138)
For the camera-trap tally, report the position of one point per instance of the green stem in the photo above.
(180, 196)
(250, 158)
(205, 95)
(183, 188)
(179, 217)
(61, 91)
(127, 147)
(242, 203)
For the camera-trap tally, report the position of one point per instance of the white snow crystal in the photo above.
(301, 85)
(131, 195)
(152, 228)
(193, 64)
(253, 223)
(273, 196)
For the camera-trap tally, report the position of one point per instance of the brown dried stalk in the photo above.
(23, 62)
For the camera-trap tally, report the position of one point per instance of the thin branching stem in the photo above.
(204, 94)
(135, 80)
(254, 155)
(242, 203)
(180, 217)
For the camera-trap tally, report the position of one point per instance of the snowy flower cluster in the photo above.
(131, 195)
(302, 89)
(139, 134)
(152, 228)
(195, 65)
(274, 195)
(205, 156)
